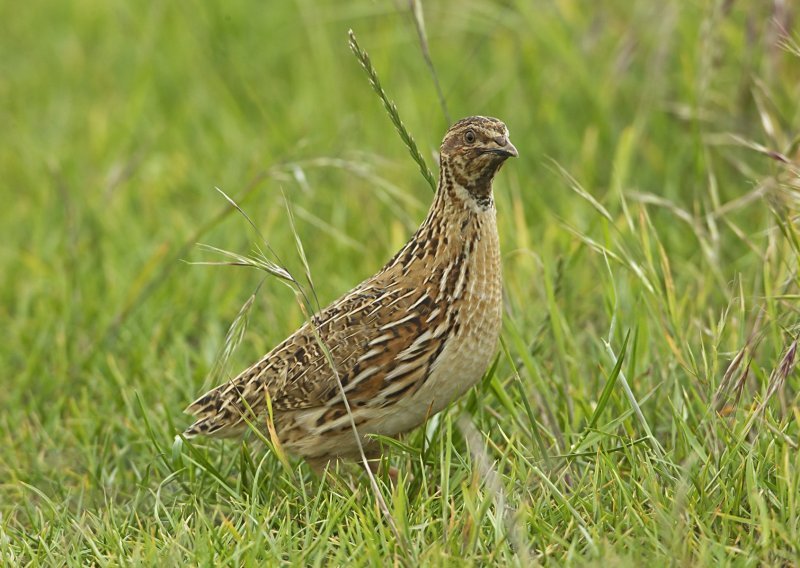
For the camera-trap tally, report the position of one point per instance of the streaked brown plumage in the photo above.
(405, 342)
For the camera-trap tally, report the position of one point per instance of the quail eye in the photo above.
(469, 136)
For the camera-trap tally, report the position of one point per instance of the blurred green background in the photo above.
(119, 119)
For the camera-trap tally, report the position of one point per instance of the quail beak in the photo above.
(505, 148)
(509, 150)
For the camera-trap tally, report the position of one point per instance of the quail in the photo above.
(404, 343)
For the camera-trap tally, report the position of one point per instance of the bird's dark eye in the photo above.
(469, 136)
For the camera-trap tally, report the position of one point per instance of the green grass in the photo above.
(644, 406)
